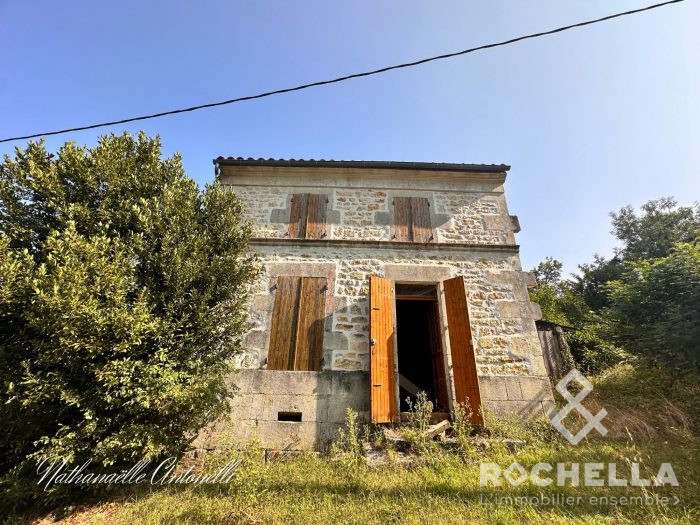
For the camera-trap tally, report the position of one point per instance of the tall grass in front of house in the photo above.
(443, 486)
(446, 489)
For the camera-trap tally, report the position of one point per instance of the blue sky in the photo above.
(590, 120)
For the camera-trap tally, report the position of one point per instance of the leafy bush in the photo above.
(656, 305)
(562, 302)
(592, 348)
(122, 299)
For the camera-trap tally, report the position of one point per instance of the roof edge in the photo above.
(369, 164)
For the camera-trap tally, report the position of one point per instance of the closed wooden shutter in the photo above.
(412, 219)
(297, 215)
(309, 335)
(307, 217)
(316, 216)
(280, 354)
(296, 332)
(381, 368)
(402, 219)
(420, 214)
(462, 348)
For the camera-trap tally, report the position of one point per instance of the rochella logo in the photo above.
(593, 473)
(574, 403)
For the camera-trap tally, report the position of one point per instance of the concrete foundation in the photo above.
(319, 399)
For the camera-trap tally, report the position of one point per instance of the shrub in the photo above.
(655, 306)
(122, 299)
(592, 349)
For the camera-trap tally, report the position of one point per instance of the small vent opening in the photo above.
(289, 416)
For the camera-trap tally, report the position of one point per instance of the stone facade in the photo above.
(473, 237)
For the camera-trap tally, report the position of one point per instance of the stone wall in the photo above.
(259, 202)
(473, 238)
(463, 213)
(502, 317)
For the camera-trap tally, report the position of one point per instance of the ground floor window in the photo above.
(296, 331)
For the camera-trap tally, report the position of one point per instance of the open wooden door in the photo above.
(462, 348)
(381, 340)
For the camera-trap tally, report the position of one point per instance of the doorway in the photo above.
(419, 345)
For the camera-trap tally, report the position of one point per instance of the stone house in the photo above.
(382, 279)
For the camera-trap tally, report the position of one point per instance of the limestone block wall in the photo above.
(358, 210)
(473, 237)
(502, 317)
(259, 202)
(473, 218)
(471, 213)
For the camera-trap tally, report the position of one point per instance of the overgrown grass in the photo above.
(446, 490)
(649, 401)
(443, 487)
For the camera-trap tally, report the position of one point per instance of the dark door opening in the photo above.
(420, 353)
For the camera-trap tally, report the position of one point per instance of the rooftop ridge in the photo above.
(369, 164)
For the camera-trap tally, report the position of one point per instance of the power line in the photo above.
(346, 77)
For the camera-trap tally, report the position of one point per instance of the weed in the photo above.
(418, 419)
(348, 448)
(463, 429)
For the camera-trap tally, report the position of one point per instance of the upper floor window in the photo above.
(412, 219)
(308, 216)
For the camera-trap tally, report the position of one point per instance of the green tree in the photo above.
(562, 303)
(123, 292)
(661, 226)
(655, 305)
(651, 234)
(548, 272)
(557, 298)
(623, 302)
(592, 278)
(549, 290)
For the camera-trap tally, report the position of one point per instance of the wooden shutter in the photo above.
(461, 348)
(412, 219)
(297, 215)
(309, 334)
(307, 217)
(316, 216)
(381, 368)
(402, 219)
(420, 215)
(280, 354)
(296, 332)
